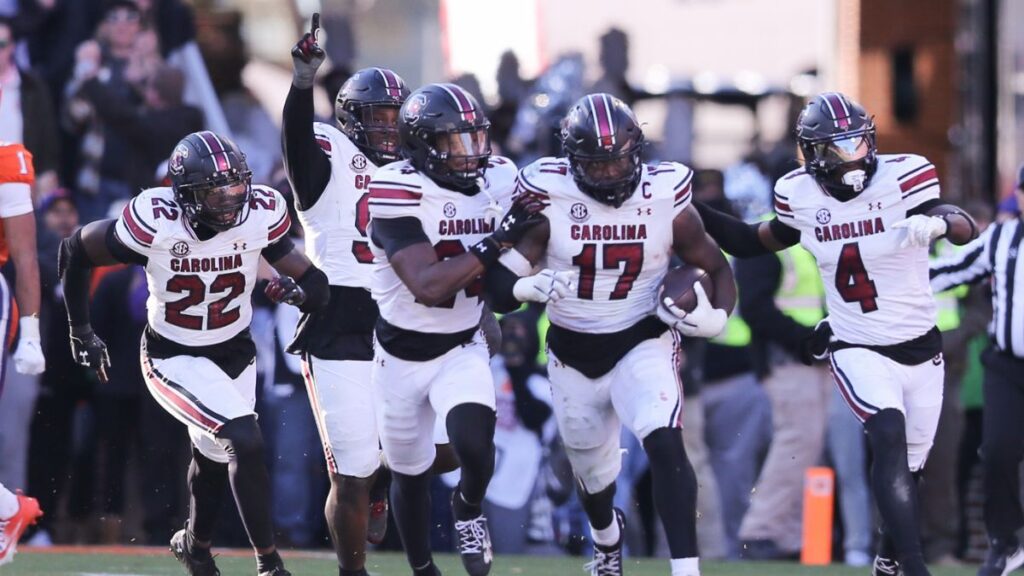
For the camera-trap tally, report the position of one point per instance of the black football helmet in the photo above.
(367, 112)
(602, 140)
(444, 133)
(837, 140)
(211, 180)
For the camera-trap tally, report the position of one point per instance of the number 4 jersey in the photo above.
(200, 291)
(621, 253)
(877, 292)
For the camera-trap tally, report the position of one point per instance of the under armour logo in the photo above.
(84, 357)
(239, 245)
(874, 205)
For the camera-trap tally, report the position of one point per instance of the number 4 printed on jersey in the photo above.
(852, 280)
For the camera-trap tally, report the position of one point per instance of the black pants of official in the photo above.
(1002, 447)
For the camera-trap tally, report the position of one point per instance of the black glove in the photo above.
(88, 350)
(525, 213)
(815, 346)
(307, 56)
(284, 289)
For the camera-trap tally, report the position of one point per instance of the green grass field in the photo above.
(30, 563)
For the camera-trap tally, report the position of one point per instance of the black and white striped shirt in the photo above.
(993, 255)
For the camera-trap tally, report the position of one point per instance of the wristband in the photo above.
(487, 251)
(28, 328)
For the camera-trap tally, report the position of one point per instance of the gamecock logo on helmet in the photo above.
(177, 162)
(414, 107)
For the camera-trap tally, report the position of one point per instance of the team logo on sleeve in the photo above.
(180, 249)
(358, 163)
(823, 216)
(579, 213)
(449, 210)
(177, 162)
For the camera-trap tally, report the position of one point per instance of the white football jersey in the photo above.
(452, 222)
(621, 253)
(200, 291)
(877, 292)
(335, 226)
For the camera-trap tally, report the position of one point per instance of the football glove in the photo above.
(28, 358)
(88, 350)
(921, 230)
(285, 289)
(815, 346)
(307, 56)
(705, 321)
(525, 213)
(545, 286)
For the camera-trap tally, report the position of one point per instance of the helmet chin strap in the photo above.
(855, 179)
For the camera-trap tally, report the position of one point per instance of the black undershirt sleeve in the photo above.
(309, 168)
(784, 233)
(121, 252)
(498, 283)
(925, 206)
(278, 250)
(734, 235)
(394, 234)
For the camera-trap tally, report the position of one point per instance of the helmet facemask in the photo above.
(373, 128)
(219, 205)
(459, 157)
(608, 178)
(842, 164)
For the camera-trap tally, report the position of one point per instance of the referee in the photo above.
(998, 254)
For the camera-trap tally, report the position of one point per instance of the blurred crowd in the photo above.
(99, 92)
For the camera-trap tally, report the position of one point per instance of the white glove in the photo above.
(28, 358)
(704, 321)
(544, 286)
(921, 230)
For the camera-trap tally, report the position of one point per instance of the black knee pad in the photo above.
(887, 430)
(243, 438)
(665, 445)
(471, 430)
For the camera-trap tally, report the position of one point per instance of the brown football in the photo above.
(678, 285)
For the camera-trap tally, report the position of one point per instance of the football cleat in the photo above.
(193, 566)
(1002, 558)
(278, 570)
(885, 567)
(608, 559)
(474, 538)
(12, 528)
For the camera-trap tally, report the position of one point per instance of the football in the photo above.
(678, 285)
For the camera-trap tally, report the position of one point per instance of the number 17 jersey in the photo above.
(877, 292)
(621, 253)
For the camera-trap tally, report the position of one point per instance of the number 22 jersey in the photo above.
(877, 292)
(200, 291)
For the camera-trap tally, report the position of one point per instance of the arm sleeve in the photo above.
(309, 169)
(278, 250)
(498, 287)
(760, 278)
(969, 265)
(15, 200)
(732, 234)
(393, 234)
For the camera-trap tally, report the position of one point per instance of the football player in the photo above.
(436, 225)
(18, 243)
(200, 241)
(614, 348)
(330, 169)
(868, 219)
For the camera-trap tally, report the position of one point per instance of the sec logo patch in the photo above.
(358, 163)
(449, 210)
(578, 212)
(823, 216)
(180, 250)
